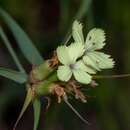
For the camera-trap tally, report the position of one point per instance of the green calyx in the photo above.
(44, 87)
(42, 77)
(41, 72)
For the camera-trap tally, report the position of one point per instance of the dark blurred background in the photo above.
(47, 23)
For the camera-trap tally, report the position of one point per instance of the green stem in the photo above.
(85, 5)
(111, 76)
(79, 15)
(10, 49)
(75, 111)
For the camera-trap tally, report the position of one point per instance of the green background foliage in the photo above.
(48, 23)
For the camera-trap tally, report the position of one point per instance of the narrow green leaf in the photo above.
(37, 111)
(25, 44)
(13, 75)
(83, 10)
(27, 101)
(64, 13)
(11, 50)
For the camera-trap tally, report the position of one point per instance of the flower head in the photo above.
(68, 56)
(94, 42)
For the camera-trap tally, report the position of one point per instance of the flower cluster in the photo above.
(82, 58)
(60, 75)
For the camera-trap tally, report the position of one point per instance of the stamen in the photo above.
(74, 66)
(87, 51)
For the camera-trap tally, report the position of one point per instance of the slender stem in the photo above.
(74, 110)
(11, 50)
(111, 76)
(85, 5)
(83, 10)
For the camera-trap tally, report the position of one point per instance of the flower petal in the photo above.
(95, 39)
(89, 62)
(64, 73)
(103, 61)
(82, 76)
(63, 55)
(81, 66)
(75, 51)
(77, 32)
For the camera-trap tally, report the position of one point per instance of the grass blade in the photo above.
(37, 111)
(13, 75)
(12, 52)
(25, 44)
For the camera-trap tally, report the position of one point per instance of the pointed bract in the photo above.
(28, 99)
